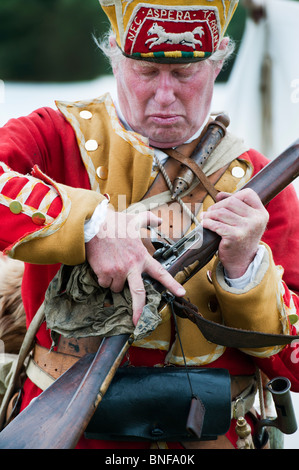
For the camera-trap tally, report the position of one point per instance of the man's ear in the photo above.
(113, 44)
(223, 45)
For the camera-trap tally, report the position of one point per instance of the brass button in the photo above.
(238, 172)
(84, 114)
(102, 172)
(15, 207)
(91, 145)
(38, 218)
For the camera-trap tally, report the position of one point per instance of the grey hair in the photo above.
(115, 56)
(112, 53)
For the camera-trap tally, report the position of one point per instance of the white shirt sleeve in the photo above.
(92, 226)
(249, 275)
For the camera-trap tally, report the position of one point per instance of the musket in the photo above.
(203, 244)
(195, 250)
(58, 417)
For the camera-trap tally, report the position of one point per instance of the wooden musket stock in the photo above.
(59, 416)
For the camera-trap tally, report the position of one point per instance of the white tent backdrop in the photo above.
(269, 58)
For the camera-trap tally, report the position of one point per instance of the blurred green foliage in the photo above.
(51, 40)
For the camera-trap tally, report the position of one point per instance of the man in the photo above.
(165, 57)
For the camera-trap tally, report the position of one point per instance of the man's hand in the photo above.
(240, 220)
(117, 254)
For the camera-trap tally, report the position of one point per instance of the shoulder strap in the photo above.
(225, 335)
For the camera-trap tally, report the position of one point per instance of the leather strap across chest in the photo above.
(175, 222)
(205, 182)
(186, 160)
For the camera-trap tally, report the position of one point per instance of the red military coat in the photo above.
(45, 146)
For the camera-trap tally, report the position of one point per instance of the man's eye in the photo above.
(182, 74)
(148, 72)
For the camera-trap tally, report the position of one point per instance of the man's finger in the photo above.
(138, 294)
(248, 196)
(156, 271)
(105, 282)
(222, 195)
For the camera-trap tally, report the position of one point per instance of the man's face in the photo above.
(165, 102)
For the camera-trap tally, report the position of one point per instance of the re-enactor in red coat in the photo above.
(58, 168)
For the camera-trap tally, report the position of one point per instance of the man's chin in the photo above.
(166, 142)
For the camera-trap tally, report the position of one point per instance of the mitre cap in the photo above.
(170, 30)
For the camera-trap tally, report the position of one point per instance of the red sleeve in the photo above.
(283, 364)
(282, 237)
(29, 200)
(283, 227)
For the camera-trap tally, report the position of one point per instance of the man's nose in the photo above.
(165, 91)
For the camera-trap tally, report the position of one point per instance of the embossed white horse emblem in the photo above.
(187, 38)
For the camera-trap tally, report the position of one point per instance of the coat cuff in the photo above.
(257, 307)
(63, 240)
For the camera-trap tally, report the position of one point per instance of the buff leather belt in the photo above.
(45, 366)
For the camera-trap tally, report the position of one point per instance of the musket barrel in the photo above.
(278, 174)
